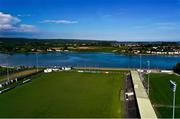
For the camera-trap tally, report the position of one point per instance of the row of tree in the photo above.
(177, 68)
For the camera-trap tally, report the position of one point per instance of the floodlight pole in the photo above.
(36, 63)
(148, 75)
(7, 70)
(174, 101)
(140, 61)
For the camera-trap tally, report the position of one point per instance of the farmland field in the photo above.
(161, 94)
(66, 94)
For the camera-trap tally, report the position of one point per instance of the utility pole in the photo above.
(7, 70)
(148, 74)
(140, 61)
(37, 63)
(174, 101)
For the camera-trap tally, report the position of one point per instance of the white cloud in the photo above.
(8, 19)
(167, 25)
(26, 28)
(23, 15)
(6, 27)
(160, 25)
(60, 21)
(11, 23)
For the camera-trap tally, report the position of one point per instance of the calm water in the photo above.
(89, 60)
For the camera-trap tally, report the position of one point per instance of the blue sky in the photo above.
(121, 20)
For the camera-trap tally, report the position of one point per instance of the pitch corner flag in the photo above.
(173, 85)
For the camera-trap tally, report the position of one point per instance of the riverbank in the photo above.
(88, 59)
(88, 51)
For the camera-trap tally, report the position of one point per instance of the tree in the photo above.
(65, 47)
(177, 68)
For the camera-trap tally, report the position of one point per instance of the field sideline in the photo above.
(66, 94)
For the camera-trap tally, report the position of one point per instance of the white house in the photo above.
(66, 68)
(80, 71)
(148, 71)
(55, 69)
(49, 50)
(140, 70)
(58, 50)
(47, 70)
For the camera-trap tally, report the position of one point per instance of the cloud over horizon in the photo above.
(59, 21)
(92, 19)
(23, 15)
(9, 23)
(160, 25)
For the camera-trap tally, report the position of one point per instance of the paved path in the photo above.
(144, 105)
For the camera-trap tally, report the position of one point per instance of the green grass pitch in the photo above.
(161, 94)
(66, 94)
